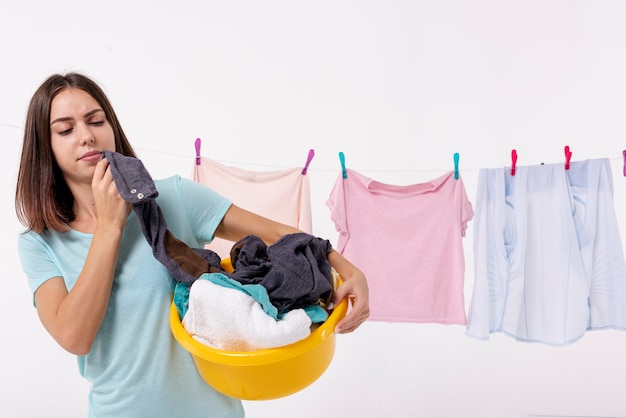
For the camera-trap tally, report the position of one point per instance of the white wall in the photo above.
(399, 87)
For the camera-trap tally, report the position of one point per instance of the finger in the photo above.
(101, 168)
(107, 175)
(342, 292)
(357, 315)
(348, 324)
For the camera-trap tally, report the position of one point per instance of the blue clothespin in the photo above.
(456, 165)
(308, 161)
(198, 143)
(342, 159)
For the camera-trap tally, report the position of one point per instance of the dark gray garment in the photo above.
(294, 270)
(135, 185)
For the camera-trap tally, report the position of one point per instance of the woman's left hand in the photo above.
(355, 289)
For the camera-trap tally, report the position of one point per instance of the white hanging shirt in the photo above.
(548, 256)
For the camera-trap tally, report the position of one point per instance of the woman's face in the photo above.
(79, 132)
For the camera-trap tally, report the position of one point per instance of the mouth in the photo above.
(91, 155)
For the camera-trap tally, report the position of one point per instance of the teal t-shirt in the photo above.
(136, 368)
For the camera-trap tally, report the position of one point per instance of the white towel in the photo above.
(231, 320)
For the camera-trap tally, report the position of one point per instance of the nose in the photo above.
(88, 139)
(84, 134)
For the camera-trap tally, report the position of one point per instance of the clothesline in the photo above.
(8, 125)
(282, 167)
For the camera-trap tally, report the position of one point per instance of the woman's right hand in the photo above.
(111, 209)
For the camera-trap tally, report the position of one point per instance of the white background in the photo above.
(399, 87)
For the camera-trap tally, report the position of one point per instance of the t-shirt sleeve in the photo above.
(467, 211)
(336, 203)
(37, 261)
(204, 207)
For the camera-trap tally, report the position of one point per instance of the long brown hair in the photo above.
(42, 198)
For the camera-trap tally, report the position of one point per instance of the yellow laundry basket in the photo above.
(268, 373)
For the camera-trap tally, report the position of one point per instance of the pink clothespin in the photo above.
(198, 143)
(308, 161)
(513, 161)
(568, 157)
(624, 156)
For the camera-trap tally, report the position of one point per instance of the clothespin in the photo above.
(308, 161)
(198, 143)
(568, 157)
(456, 165)
(342, 160)
(624, 156)
(513, 161)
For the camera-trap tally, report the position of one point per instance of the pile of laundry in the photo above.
(272, 298)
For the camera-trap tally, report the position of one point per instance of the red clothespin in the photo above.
(568, 157)
(198, 143)
(513, 161)
(308, 161)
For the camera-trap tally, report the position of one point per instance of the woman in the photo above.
(97, 287)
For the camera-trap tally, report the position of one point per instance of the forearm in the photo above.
(238, 223)
(345, 269)
(74, 318)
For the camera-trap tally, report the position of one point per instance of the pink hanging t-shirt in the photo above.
(408, 242)
(283, 195)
